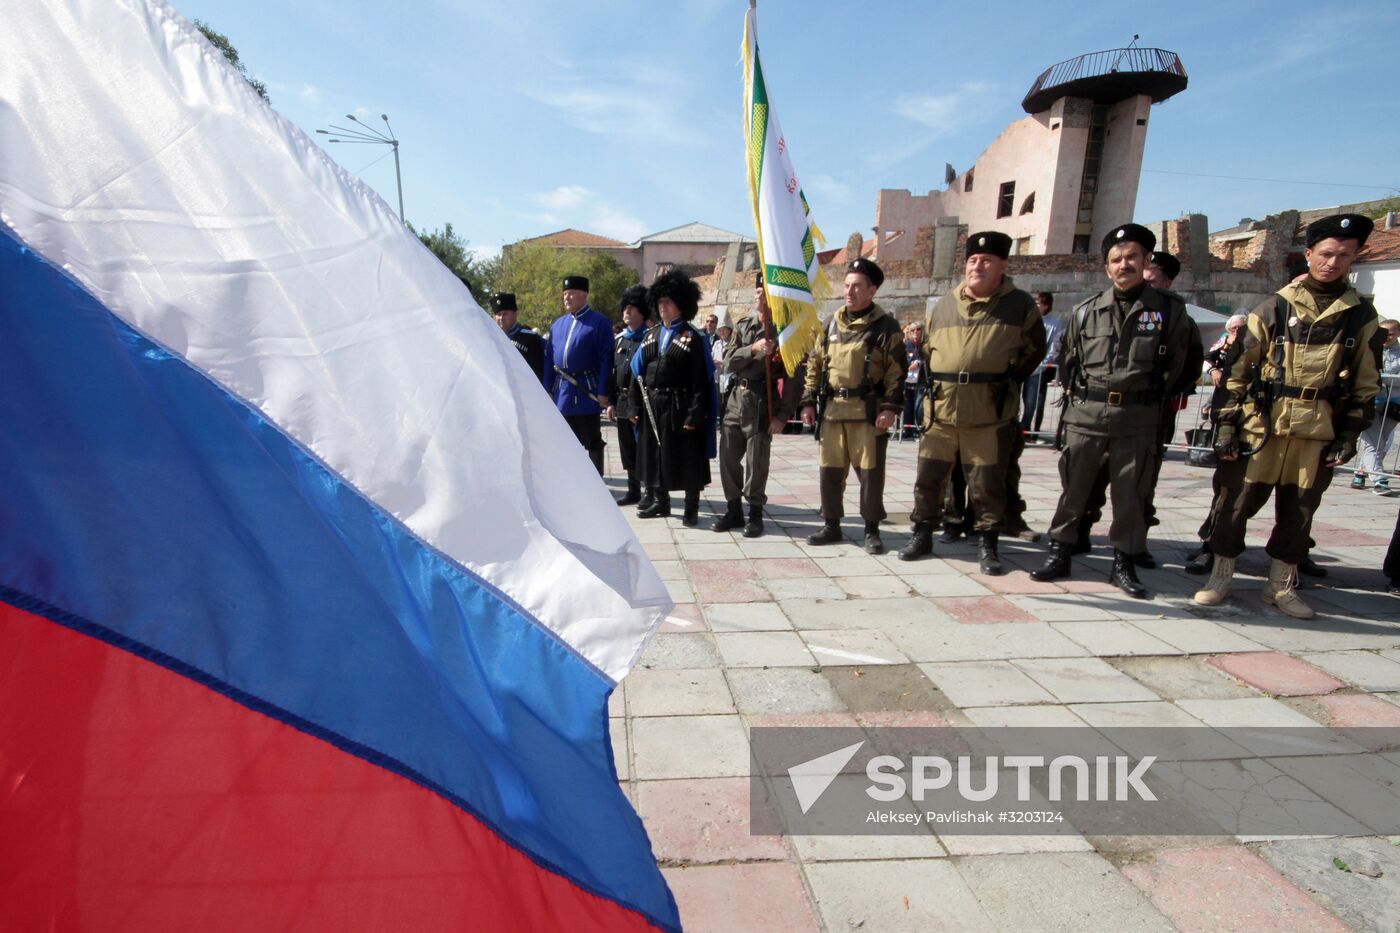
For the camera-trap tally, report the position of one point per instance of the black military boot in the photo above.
(1056, 566)
(660, 506)
(921, 544)
(733, 516)
(647, 501)
(754, 528)
(634, 492)
(873, 544)
(1199, 564)
(951, 534)
(1124, 576)
(1145, 560)
(988, 560)
(1310, 568)
(830, 533)
(691, 517)
(1082, 544)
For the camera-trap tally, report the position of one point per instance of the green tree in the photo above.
(220, 42)
(534, 272)
(476, 273)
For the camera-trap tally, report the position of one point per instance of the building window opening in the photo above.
(967, 181)
(1006, 201)
(1023, 246)
(1028, 205)
(1081, 243)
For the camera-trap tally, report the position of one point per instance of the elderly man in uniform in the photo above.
(979, 344)
(752, 411)
(1123, 351)
(578, 366)
(1300, 394)
(526, 339)
(856, 376)
(635, 310)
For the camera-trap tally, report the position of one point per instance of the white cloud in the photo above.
(583, 209)
(828, 190)
(945, 114)
(310, 94)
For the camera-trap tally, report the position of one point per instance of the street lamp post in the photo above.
(365, 134)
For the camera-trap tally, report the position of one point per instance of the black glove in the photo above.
(1227, 445)
(1340, 451)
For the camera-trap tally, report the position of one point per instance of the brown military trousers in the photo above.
(1296, 466)
(985, 453)
(745, 447)
(846, 444)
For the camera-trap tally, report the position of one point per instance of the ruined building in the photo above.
(1055, 181)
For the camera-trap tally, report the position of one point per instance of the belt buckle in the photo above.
(964, 378)
(1115, 398)
(842, 393)
(1308, 394)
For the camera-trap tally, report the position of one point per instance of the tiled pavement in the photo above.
(771, 631)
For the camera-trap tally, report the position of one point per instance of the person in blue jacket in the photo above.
(578, 366)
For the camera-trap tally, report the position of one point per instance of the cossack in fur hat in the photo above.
(503, 301)
(1340, 227)
(1130, 233)
(636, 296)
(678, 287)
(576, 282)
(865, 267)
(1168, 263)
(990, 241)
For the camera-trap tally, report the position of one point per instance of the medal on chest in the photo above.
(1149, 321)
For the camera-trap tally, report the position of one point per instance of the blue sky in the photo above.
(623, 118)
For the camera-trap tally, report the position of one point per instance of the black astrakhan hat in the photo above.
(868, 269)
(1167, 263)
(678, 287)
(989, 241)
(1130, 233)
(636, 296)
(1341, 227)
(579, 282)
(503, 301)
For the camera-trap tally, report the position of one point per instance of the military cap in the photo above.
(636, 296)
(1130, 233)
(678, 287)
(989, 241)
(503, 301)
(1167, 263)
(758, 280)
(1340, 227)
(868, 269)
(579, 282)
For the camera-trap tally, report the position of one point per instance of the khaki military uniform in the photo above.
(1319, 390)
(976, 353)
(860, 358)
(1120, 357)
(750, 381)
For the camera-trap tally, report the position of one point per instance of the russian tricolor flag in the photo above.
(310, 604)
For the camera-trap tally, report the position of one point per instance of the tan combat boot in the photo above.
(1279, 592)
(1222, 571)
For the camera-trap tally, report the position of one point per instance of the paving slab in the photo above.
(790, 588)
(679, 651)
(1058, 891)
(1365, 904)
(667, 747)
(1021, 844)
(994, 641)
(947, 584)
(1365, 669)
(782, 690)
(759, 549)
(746, 617)
(884, 586)
(868, 614)
(986, 683)
(1357, 711)
(1183, 678)
(1277, 674)
(763, 649)
(1084, 680)
(786, 568)
(753, 897)
(702, 821)
(681, 692)
(980, 610)
(886, 688)
(914, 895)
(680, 591)
(1197, 636)
(1227, 888)
(833, 648)
(1060, 607)
(1114, 638)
